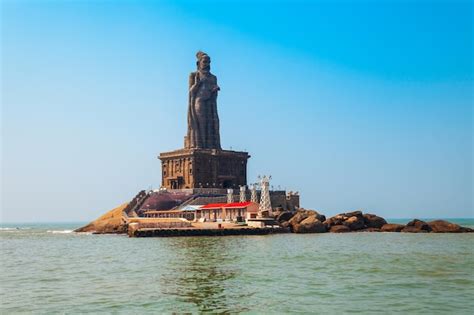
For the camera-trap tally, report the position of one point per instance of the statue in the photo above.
(203, 120)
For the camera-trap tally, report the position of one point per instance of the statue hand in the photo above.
(196, 83)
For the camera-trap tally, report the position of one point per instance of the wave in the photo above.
(14, 228)
(60, 231)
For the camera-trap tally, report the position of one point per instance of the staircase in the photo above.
(132, 207)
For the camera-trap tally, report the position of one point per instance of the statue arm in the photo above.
(193, 83)
(216, 87)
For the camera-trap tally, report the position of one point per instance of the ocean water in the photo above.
(47, 269)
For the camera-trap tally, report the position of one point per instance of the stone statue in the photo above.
(203, 121)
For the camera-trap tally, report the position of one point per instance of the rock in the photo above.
(442, 226)
(369, 229)
(373, 221)
(353, 214)
(303, 214)
(285, 216)
(391, 227)
(355, 223)
(321, 217)
(335, 220)
(339, 229)
(331, 222)
(298, 217)
(275, 214)
(339, 219)
(420, 225)
(110, 222)
(309, 225)
(413, 229)
(285, 224)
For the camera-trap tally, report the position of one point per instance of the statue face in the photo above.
(205, 63)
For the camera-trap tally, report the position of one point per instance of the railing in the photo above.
(135, 204)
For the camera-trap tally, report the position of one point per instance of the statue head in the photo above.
(204, 61)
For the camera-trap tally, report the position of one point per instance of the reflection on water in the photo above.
(201, 274)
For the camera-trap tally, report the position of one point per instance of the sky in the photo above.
(354, 104)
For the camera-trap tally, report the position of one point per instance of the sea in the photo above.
(48, 269)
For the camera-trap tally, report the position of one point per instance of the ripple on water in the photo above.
(357, 273)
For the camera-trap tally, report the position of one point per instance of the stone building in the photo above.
(203, 168)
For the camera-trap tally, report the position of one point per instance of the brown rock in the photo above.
(298, 217)
(339, 229)
(442, 226)
(285, 224)
(340, 218)
(391, 227)
(420, 225)
(111, 222)
(354, 223)
(321, 217)
(275, 213)
(374, 221)
(353, 214)
(331, 222)
(309, 225)
(335, 220)
(302, 214)
(285, 216)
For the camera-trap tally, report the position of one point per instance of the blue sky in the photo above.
(356, 105)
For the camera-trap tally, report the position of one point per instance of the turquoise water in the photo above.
(46, 269)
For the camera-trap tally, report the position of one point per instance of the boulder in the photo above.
(353, 214)
(309, 225)
(392, 227)
(413, 229)
(340, 218)
(339, 229)
(336, 220)
(275, 213)
(332, 221)
(285, 224)
(302, 214)
(442, 226)
(420, 225)
(355, 223)
(285, 216)
(298, 217)
(373, 221)
(321, 217)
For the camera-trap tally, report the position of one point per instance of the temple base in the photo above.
(203, 168)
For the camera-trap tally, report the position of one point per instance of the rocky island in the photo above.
(201, 183)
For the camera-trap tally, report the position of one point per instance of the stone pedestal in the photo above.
(203, 168)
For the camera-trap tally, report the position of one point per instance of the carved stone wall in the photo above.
(196, 168)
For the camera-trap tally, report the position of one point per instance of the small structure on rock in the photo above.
(265, 208)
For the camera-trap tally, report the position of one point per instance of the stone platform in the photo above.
(151, 232)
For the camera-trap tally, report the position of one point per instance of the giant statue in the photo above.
(202, 163)
(203, 120)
